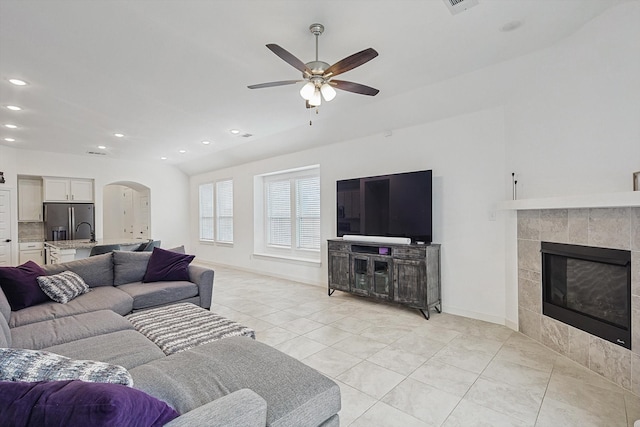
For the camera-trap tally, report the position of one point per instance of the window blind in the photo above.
(308, 212)
(224, 210)
(278, 200)
(206, 212)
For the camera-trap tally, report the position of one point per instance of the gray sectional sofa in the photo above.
(230, 382)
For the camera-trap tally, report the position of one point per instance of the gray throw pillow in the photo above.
(17, 364)
(129, 267)
(63, 287)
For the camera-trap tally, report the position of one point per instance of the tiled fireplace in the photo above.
(614, 228)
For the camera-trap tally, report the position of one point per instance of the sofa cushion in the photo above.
(147, 295)
(63, 287)
(295, 393)
(127, 348)
(95, 271)
(167, 266)
(18, 364)
(20, 286)
(76, 403)
(178, 249)
(5, 316)
(129, 266)
(39, 335)
(5, 333)
(5, 308)
(101, 298)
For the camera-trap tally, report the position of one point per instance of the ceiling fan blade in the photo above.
(351, 62)
(354, 87)
(289, 58)
(272, 84)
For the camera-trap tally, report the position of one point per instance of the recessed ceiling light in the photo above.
(11, 126)
(510, 26)
(18, 82)
(9, 139)
(182, 151)
(206, 142)
(118, 135)
(163, 158)
(14, 108)
(234, 131)
(102, 147)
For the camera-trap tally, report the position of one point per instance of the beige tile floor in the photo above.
(395, 368)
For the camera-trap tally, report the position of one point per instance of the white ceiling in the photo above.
(169, 74)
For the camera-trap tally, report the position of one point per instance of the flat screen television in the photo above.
(397, 205)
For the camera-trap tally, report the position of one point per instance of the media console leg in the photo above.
(438, 307)
(330, 291)
(426, 315)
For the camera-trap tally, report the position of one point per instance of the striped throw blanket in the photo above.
(179, 327)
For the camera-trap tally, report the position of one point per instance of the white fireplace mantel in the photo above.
(606, 200)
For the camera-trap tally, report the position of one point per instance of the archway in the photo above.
(126, 210)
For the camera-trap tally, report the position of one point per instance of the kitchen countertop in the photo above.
(86, 244)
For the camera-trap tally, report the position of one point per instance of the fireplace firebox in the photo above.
(588, 288)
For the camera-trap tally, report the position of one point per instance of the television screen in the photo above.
(397, 205)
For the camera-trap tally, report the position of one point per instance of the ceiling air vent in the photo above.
(96, 153)
(457, 6)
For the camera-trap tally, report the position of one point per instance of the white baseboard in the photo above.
(477, 315)
(212, 265)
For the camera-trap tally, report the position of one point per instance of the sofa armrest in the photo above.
(203, 277)
(242, 408)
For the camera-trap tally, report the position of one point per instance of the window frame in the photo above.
(217, 211)
(215, 238)
(262, 247)
(202, 238)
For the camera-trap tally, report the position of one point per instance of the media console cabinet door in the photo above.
(409, 282)
(339, 271)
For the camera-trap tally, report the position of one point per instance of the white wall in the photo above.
(112, 211)
(466, 155)
(573, 127)
(169, 187)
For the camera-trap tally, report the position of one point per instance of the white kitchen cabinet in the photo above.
(29, 200)
(56, 255)
(32, 251)
(82, 190)
(68, 190)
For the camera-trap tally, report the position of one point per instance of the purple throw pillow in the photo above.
(20, 285)
(77, 403)
(166, 266)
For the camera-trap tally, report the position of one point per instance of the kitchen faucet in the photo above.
(93, 233)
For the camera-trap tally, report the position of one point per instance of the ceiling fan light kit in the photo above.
(318, 74)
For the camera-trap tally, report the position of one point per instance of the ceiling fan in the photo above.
(319, 76)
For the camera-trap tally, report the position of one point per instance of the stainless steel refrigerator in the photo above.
(64, 221)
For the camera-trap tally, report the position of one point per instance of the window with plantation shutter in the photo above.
(206, 212)
(216, 211)
(291, 214)
(224, 211)
(279, 213)
(308, 212)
